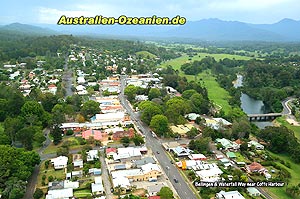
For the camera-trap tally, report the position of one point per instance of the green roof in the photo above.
(230, 155)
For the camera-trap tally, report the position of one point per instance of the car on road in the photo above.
(157, 152)
(175, 180)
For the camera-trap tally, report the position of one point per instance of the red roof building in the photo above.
(120, 134)
(256, 167)
(154, 197)
(92, 133)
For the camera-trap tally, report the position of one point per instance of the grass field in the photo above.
(294, 180)
(82, 193)
(145, 54)
(283, 122)
(53, 148)
(216, 94)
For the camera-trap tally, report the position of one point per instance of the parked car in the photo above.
(175, 180)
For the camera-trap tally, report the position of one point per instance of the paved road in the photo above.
(32, 182)
(67, 78)
(183, 190)
(105, 178)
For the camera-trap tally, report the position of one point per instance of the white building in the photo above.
(210, 175)
(92, 155)
(60, 194)
(60, 162)
(229, 195)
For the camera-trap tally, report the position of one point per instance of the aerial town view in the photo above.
(150, 100)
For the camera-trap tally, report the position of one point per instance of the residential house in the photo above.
(127, 154)
(121, 181)
(97, 187)
(92, 155)
(229, 195)
(210, 175)
(120, 134)
(143, 161)
(110, 152)
(154, 189)
(95, 171)
(60, 194)
(60, 162)
(217, 123)
(180, 151)
(253, 192)
(97, 135)
(227, 144)
(154, 197)
(257, 145)
(77, 160)
(231, 155)
(169, 145)
(197, 157)
(255, 167)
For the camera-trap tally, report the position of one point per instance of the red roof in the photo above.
(108, 150)
(92, 133)
(154, 197)
(255, 167)
(51, 86)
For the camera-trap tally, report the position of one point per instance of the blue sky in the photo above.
(49, 11)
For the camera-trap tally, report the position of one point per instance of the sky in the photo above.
(250, 11)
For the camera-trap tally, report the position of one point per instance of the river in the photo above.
(250, 105)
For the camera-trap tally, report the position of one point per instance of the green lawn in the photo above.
(216, 94)
(294, 180)
(82, 193)
(53, 148)
(296, 129)
(145, 54)
(60, 174)
(240, 158)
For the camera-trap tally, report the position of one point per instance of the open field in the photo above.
(294, 180)
(53, 148)
(283, 122)
(216, 94)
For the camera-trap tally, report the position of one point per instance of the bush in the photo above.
(69, 132)
(38, 193)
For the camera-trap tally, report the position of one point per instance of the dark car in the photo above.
(175, 180)
(157, 152)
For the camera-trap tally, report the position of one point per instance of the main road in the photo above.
(182, 188)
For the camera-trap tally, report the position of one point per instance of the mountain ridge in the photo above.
(212, 29)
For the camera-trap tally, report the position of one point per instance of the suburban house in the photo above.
(97, 135)
(92, 155)
(110, 152)
(60, 162)
(120, 134)
(227, 144)
(127, 154)
(210, 175)
(169, 145)
(154, 189)
(231, 155)
(181, 151)
(229, 195)
(60, 194)
(255, 167)
(257, 145)
(217, 123)
(97, 187)
(77, 160)
(253, 191)
(197, 157)
(143, 161)
(121, 181)
(148, 171)
(95, 171)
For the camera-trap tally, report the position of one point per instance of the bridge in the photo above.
(264, 116)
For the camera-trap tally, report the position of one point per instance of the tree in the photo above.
(26, 137)
(159, 124)
(165, 193)
(90, 108)
(200, 145)
(150, 111)
(138, 140)
(187, 94)
(38, 193)
(154, 93)
(48, 101)
(192, 133)
(58, 114)
(33, 112)
(130, 91)
(241, 128)
(125, 141)
(56, 134)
